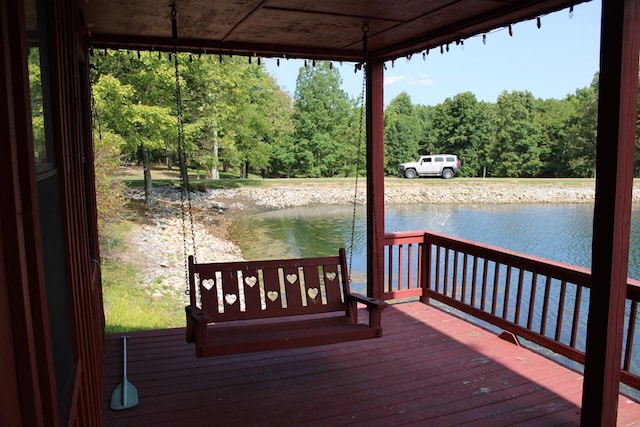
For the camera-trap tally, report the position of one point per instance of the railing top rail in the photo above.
(563, 271)
(568, 272)
(414, 236)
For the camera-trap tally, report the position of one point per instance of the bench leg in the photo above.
(190, 327)
(375, 320)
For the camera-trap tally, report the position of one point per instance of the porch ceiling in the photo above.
(328, 29)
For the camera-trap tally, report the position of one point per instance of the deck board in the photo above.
(430, 368)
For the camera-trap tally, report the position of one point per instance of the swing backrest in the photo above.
(275, 288)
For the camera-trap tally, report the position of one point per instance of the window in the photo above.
(50, 203)
(39, 84)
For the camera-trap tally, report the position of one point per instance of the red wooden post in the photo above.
(29, 395)
(375, 178)
(612, 214)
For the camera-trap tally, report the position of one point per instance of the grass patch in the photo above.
(129, 306)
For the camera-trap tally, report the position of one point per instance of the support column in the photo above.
(375, 178)
(612, 213)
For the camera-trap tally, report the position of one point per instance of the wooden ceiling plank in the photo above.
(244, 19)
(331, 29)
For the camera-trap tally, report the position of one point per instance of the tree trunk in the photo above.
(184, 178)
(146, 167)
(215, 173)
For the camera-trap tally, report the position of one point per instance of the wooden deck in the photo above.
(430, 368)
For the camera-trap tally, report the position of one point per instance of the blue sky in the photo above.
(551, 62)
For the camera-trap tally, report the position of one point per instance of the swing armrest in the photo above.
(371, 303)
(196, 315)
(197, 321)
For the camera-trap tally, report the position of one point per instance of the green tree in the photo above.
(133, 99)
(323, 120)
(516, 152)
(554, 117)
(109, 190)
(140, 127)
(581, 135)
(463, 126)
(282, 160)
(264, 121)
(402, 133)
(213, 95)
(232, 111)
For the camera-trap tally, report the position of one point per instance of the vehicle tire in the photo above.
(410, 173)
(447, 174)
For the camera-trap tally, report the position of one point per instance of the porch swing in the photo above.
(251, 306)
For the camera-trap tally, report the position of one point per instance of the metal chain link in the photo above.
(365, 29)
(185, 192)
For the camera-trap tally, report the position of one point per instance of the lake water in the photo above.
(560, 232)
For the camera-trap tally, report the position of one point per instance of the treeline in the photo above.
(237, 119)
(518, 136)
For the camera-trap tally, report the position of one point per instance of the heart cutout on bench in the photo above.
(230, 298)
(272, 295)
(312, 292)
(291, 278)
(330, 275)
(208, 284)
(251, 281)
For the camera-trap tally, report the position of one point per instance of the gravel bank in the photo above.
(158, 246)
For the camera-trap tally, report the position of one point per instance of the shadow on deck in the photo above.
(430, 368)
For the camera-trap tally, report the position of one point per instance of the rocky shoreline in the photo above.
(157, 243)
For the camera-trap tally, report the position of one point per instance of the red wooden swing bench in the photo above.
(255, 306)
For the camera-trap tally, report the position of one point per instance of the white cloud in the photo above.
(424, 80)
(389, 80)
(421, 80)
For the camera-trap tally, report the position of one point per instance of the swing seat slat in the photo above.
(255, 306)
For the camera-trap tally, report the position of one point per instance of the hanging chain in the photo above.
(365, 30)
(185, 193)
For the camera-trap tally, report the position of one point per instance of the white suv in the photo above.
(444, 165)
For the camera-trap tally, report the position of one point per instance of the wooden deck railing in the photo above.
(540, 300)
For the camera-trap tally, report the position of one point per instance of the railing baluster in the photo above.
(483, 291)
(532, 299)
(474, 279)
(438, 285)
(496, 286)
(446, 271)
(409, 265)
(545, 305)
(390, 268)
(576, 316)
(455, 275)
(465, 260)
(563, 291)
(507, 291)
(428, 266)
(631, 329)
(420, 265)
(400, 269)
(516, 318)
